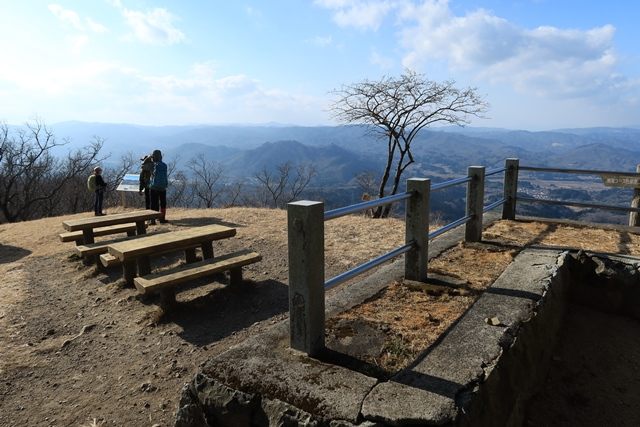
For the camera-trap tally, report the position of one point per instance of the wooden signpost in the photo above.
(620, 181)
(613, 180)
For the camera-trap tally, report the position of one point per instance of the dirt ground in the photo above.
(77, 347)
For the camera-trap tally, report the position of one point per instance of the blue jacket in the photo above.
(159, 179)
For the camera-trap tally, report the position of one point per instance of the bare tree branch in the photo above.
(398, 109)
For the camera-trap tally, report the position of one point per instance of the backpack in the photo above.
(91, 183)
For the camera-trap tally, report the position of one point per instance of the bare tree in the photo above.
(367, 182)
(208, 180)
(234, 193)
(285, 184)
(32, 179)
(177, 193)
(397, 109)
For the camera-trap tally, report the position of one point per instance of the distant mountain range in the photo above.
(341, 152)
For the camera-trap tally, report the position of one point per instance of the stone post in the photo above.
(634, 217)
(510, 188)
(417, 229)
(475, 204)
(305, 225)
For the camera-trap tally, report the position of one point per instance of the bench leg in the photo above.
(144, 266)
(140, 228)
(167, 299)
(207, 250)
(190, 254)
(129, 271)
(131, 233)
(235, 276)
(87, 236)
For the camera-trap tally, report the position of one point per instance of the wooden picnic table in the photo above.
(135, 254)
(87, 225)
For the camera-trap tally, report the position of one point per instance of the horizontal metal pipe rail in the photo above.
(577, 204)
(578, 171)
(366, 266)
(359, 207)
(449, 226)
(446, 184)
(494, 171)
(494, 205)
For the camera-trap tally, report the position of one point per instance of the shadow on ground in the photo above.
(10, 253)
(225, 310)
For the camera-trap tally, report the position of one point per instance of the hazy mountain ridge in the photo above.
(339, 151)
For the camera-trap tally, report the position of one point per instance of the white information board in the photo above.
(130, 182)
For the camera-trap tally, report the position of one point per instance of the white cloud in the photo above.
(154, 27)
(321, 41)
(67, 16)
(544, 60)
(363, 14)
(123, 94)
(73, 19)
(94, 26)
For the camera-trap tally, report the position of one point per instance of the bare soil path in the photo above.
(77, 347)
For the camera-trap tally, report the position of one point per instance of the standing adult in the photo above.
(100, 187)
(146, 170)
(158, 186)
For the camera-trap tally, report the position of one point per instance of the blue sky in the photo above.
(541, 64)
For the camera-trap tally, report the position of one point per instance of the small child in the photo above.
(100, 186)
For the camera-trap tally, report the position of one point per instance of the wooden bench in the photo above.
(108, 260)
(135, 255)
(88, 225)
(76, 236)
(165, 282)
(97, 248)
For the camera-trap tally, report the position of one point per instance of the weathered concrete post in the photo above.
(634, 217)
(417, 229)
(305, 224)
(510, 188)
(475, 204)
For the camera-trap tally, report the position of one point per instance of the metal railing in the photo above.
(450, 226)
(306, 238)
(306, 220)
(451, 183)
(363, 206)
(370, 204)
(359, 207)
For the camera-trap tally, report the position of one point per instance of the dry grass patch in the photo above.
(412, 317)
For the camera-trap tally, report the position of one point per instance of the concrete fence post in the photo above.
(417, 229)
(510, 188)
(305, 225)
(634, 217)
(475, 204)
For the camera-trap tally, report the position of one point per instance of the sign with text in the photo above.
(130, 182)
(621, 181)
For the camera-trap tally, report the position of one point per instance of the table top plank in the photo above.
(180, 239)
(106, 220)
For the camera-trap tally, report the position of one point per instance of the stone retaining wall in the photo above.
(478, 374)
